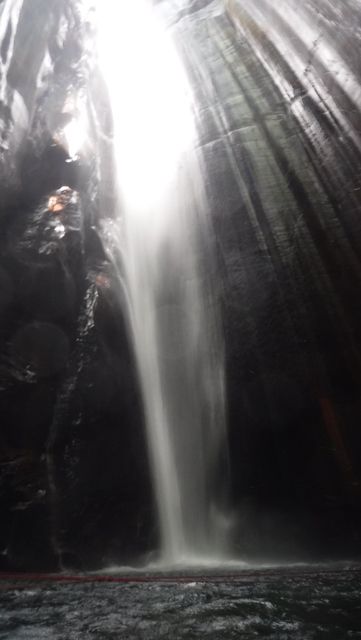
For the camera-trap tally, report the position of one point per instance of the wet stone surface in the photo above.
(270, 604)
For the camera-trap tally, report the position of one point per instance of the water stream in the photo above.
(163, 236)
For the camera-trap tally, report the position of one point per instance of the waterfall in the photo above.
(162, 229)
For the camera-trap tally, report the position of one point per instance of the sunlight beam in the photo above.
(149, 96)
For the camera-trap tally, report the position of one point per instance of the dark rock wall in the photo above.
(74, 485)
(281, 145)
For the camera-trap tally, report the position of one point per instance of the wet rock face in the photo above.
(74, 486)
(279, 138)
(22, 81)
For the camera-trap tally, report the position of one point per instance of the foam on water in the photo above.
(282, 604)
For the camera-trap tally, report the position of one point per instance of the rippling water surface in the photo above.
(290, 603)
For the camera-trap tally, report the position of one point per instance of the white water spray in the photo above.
(162, 226)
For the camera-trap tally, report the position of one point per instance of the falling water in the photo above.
(163, 230)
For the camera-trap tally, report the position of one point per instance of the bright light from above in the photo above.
(150, 99)
(74, 134)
